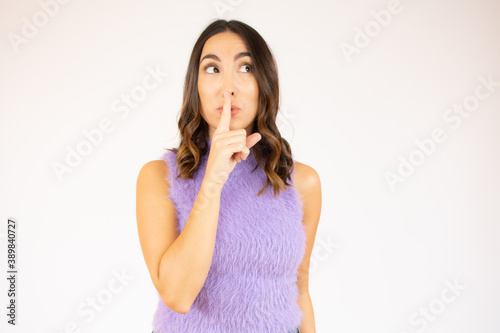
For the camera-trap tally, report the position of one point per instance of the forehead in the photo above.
(224, 43)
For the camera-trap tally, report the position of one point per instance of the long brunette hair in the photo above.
(274, 150)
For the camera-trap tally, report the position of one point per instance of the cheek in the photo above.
(206, 90)
(202, 92)
(254, 95)
(204, 102)
(201, 89)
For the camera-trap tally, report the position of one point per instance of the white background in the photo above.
(381, 255)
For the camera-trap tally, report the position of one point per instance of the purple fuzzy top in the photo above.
(260, 242)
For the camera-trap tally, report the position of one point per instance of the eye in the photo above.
(247, 65)
(209, 66)
(216, 70)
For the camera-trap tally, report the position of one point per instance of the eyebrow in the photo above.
(236, 57)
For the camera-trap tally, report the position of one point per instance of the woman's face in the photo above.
(226, 65)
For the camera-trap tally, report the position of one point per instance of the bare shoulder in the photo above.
(153, 188)
(153, 174)
(306, 179)
(154, 168)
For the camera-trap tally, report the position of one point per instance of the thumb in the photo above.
(252, 139)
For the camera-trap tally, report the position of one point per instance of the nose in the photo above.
(231, 91)
(228, 83)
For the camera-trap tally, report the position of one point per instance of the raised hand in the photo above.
(228, 147)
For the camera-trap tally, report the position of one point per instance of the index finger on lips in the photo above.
(225, 117)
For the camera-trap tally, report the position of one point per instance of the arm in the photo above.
(178, 263)
(308, 185)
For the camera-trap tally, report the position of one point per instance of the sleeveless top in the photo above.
(260, 242)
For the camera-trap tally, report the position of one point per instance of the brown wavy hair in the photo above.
(272, 153)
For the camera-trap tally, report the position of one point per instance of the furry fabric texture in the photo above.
(260, 242)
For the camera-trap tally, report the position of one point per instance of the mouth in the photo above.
(234, 110)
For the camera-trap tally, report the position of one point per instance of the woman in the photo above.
(225, 253)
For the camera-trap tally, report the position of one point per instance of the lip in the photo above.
(234, 109)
